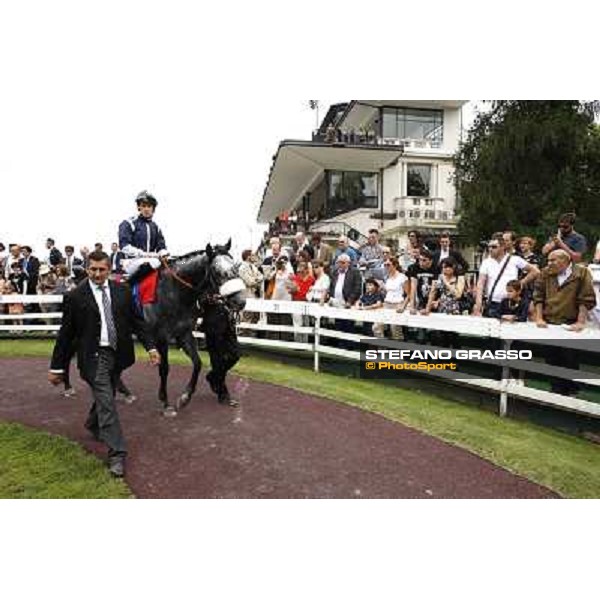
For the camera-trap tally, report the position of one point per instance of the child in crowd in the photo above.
(16, 308)
(515, 307)
(372, 299)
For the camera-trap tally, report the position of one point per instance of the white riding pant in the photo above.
(133, 264)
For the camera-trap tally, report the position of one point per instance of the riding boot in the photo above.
(143, 270)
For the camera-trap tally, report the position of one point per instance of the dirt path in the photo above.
(280, 443)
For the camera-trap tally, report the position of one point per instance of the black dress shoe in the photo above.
(116, 466)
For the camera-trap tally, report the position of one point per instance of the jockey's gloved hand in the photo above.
(163, 253)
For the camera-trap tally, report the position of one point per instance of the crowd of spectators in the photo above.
(53, 272)
(513, 283)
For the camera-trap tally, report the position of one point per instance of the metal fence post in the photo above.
(316, 343)
(504, 383)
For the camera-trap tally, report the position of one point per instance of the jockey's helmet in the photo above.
(146, 197)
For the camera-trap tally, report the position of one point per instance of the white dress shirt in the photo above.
(562, 277)
(339, 287)
(98, 297)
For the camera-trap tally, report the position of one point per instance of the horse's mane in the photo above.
(188, 256)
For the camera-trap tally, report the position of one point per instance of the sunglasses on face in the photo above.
(493, 246)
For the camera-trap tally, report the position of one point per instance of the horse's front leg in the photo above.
(163, 370)
(190, 347)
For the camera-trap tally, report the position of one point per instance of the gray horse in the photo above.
(183, 286)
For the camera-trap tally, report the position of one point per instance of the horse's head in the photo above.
(224, 273)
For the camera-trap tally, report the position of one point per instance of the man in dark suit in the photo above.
(346, 284)
(116, 256)
(344, 291)
(98, 315)
(31, 267)
(75, 266)
(54, 255)
(445, 251)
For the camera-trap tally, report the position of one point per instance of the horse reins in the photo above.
(173, 274)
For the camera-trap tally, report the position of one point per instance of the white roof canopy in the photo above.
(299, 166)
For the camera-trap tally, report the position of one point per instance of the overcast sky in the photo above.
(101, 105)
(98, 105)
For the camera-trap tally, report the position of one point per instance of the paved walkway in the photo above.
(280, 443)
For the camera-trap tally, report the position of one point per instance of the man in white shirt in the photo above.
(495, 272)
(98, 317)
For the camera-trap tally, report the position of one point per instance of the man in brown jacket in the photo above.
(564, 294)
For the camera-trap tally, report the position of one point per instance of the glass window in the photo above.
(414, 124)
(350, 190)
(390, 123)
(418, 180)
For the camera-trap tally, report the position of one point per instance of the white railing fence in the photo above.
(307, 333)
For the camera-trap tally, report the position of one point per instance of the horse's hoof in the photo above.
(228, 401)
(169, 412)
(183, 400)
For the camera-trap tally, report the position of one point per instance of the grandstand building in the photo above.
(385, 164)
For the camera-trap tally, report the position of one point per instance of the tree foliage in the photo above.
(524, 163)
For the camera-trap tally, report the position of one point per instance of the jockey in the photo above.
(141, 239)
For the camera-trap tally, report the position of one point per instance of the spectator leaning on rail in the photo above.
(141, 239)
(563, 295)
(515, 307)
(320, 288)
(495, 272)
(567, 239)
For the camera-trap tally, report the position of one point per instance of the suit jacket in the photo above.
(81, 326)
(324, 253)
(116, 261)
(33, 271)
(352, 290)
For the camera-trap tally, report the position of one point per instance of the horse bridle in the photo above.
(214, 298)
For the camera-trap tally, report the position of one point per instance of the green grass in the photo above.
(34, 464)
(567, 464)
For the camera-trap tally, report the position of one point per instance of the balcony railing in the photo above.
(369, 138)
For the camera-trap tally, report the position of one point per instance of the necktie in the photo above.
(108, 316)
(69, 265)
